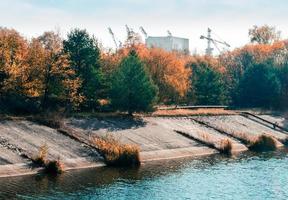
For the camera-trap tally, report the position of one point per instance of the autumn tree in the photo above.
(84, 56)
(132, 89)
(13, 52)
(169, 72)
(49, 76)
(264, 34)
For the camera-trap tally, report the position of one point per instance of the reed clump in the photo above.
(41, 158)
(225, 146)
(263, 143)
(117, 154)
(50, 166)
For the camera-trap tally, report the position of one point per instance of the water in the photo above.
(247, 176)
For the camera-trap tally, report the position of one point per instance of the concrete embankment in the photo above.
(157, 137)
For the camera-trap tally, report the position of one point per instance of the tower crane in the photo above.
(113, 37)
(143, 31)
(209, 50)
(130, 31)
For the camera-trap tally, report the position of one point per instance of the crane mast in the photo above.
(210, 40)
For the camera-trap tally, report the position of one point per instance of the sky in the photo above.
(230, 20)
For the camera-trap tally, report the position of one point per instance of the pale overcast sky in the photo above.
(229, 19)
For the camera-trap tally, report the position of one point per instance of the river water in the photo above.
(246, 176)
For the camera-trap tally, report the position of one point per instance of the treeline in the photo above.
(76, 74)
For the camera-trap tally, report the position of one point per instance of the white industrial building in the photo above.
(169, 43)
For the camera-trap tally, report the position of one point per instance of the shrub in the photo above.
(40, 159)
(53, 167)
(263, 143)
(225, 146)
(117, 154)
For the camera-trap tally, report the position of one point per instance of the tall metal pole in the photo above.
(209, 49)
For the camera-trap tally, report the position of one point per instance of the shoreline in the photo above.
(155, 135)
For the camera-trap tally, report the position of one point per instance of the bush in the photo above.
(225, 146)
(116, 154)
(40, 159)
(263, 143)
(53, 167)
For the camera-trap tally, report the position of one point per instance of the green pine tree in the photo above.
(84, 56)
(132, 89)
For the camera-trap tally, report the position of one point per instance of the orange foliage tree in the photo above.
(13, 52)
(167, 69)
(54, 77)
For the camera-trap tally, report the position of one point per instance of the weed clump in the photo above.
(53, 167)
(50, 166)
(117, 154)
(263, 143)
(40, 159)
(225, 146)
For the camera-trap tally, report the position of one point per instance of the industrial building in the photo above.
(169, 43)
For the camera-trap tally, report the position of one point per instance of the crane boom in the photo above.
(143, 31)
(213, 40)
(210, 40)
(113, 37)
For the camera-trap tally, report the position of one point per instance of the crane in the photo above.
(210, 40)
(143, 31)
(113, 37)
(130, 31)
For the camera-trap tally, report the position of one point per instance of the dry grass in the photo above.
(50, 166)
(40, 159)
(263, 143)
(224, 146)
(185, 112)
(260, 143)
(117, 154)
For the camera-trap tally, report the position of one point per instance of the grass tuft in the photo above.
(50, 166)
(263, 143)
(206, 139)
(40, 159)
(225, 146)
(117, 154)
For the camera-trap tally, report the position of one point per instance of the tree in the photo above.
(259, 86)
(169, 72)
(49, 76)
(263, 34)
(207, 83)
(13, 52)
(84, 56)
(132, 89)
